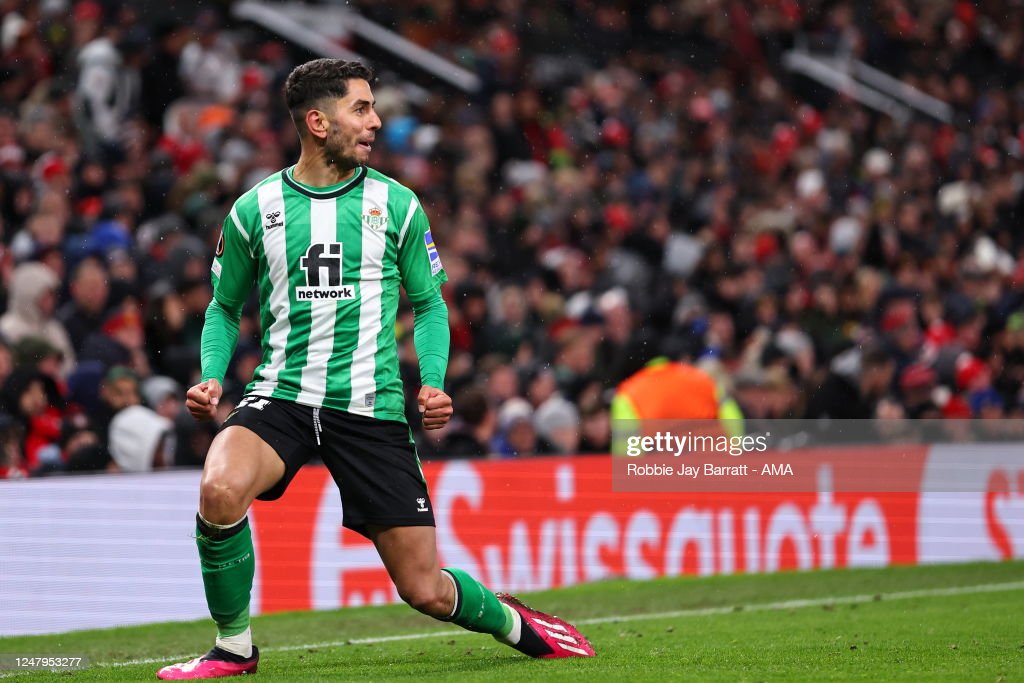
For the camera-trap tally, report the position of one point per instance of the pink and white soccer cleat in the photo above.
(547, 637)
(216, 663)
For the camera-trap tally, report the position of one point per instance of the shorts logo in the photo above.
(253, 402)
(323, 265)
(375, 219)
(422, 502)
(435, 258)
(272, 221)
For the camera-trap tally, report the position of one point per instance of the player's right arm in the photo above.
(233, 274)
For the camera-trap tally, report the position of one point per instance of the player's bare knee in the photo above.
(425, 598)
(221, 501)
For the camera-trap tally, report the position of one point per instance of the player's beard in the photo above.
(339, 153)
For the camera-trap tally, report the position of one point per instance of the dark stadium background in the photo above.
(818, 204)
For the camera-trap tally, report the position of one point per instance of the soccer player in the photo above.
(327, 243)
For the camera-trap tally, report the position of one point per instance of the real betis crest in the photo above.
(375, 219)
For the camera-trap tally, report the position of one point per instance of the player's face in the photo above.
(354, 126)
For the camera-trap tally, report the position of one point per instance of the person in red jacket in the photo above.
(32, 398)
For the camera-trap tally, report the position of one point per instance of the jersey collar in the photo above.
(332, 192)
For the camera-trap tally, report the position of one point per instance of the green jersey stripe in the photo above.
(271, 201)
(323, 223)
(371, 273)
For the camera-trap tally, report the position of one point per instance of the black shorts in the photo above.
(373, 462)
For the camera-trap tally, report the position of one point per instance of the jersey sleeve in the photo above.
(419, 262)
(234, 268)
(422, 277)
(233, 274)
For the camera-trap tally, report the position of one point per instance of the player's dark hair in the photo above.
(310, 83)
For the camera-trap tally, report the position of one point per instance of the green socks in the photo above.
(229, 564)
(476, 608)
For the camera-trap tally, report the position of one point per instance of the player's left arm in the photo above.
(422, 275)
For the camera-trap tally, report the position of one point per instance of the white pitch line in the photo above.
(649, 616)
(814, 602)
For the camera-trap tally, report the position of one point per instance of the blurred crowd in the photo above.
(632, 181)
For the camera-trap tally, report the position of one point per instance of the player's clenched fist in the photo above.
(202, 399)
(435, 407)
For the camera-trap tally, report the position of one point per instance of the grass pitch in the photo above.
(938, 623)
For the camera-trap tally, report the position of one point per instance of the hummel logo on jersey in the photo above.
(422, 502)
(375, 219)
(323, 266)
(272, 221)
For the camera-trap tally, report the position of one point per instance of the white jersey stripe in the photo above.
(364, 359)
(238, 224)
(323, 220)
(274, 246)
(408, 220)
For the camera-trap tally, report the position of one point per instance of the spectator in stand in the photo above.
(81, 447)
(163, 396)
(209, 64)
(502, 381)
(471, 436)
(119, 390)
(516, 436)
(84, 313)
(6, 361)
(901, 332)
(32, 300)
(107, 91)
(12, 461)
(858, 379)
(557, 421)
(595, 428)
(541, 386)
(917, 386)
(140, 440)
(34, 400)
(170, 37)
(120, 341)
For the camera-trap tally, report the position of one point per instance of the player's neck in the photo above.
(314, 172)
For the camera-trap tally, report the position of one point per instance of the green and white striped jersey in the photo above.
(328, 263)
